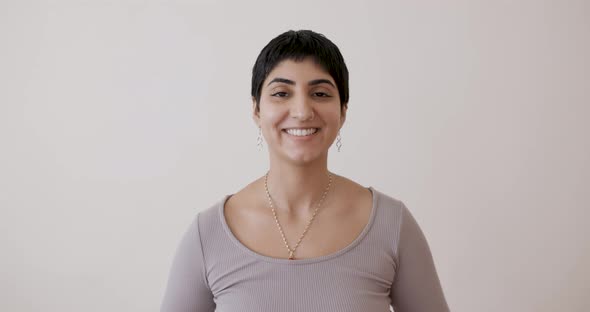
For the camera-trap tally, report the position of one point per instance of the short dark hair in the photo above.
(297, 45)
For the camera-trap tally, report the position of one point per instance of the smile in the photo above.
(301, 132)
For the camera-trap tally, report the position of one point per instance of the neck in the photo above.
(297, 189)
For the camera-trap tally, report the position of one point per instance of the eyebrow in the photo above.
(311, 83)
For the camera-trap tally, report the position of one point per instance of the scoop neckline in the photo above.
(335, 254)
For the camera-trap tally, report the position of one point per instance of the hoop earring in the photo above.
(259, 140)
(338, 141)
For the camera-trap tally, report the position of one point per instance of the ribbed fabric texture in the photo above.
(388, 264)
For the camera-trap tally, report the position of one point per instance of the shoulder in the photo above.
(227, 211)
(387, 201)
(244, 204)
(208, 221)
(354, 191)
(390, 213)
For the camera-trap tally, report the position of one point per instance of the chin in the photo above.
(304, 158)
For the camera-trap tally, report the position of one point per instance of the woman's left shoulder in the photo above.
(352, 191)
(357, 192)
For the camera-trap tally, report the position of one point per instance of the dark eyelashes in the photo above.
(279, 94)
(284, 94)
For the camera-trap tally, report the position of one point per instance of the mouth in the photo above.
(299, 132)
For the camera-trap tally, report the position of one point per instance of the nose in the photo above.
(302, 109)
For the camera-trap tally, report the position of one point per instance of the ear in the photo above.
(255, 113)
(343, 114)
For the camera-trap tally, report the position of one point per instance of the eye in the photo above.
(279, 94)
(321, 94)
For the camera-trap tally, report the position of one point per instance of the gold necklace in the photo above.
(274, 213)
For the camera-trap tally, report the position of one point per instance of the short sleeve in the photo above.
(416, 287)
(187, 288)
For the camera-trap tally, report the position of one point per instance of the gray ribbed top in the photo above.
(389, 263)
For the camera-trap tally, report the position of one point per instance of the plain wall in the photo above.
(120, 120)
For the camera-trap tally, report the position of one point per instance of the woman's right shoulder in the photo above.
(247, 196)
(228, 204)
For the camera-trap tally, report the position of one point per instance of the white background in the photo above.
(120, 120)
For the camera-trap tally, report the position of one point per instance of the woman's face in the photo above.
(300, 113)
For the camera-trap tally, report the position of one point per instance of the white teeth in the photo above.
(302, 132)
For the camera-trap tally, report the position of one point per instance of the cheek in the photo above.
(269, 118)
(271, 115)
(332, 116)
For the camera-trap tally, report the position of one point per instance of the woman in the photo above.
(301, 238)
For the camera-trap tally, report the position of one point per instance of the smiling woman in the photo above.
(301, 238)
(299, 111)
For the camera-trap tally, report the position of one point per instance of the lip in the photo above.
(301, 138)
(301, 128)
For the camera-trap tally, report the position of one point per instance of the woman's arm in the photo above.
(416, 287)
(187, 288)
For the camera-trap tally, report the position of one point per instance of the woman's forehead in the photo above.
(298, 71)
